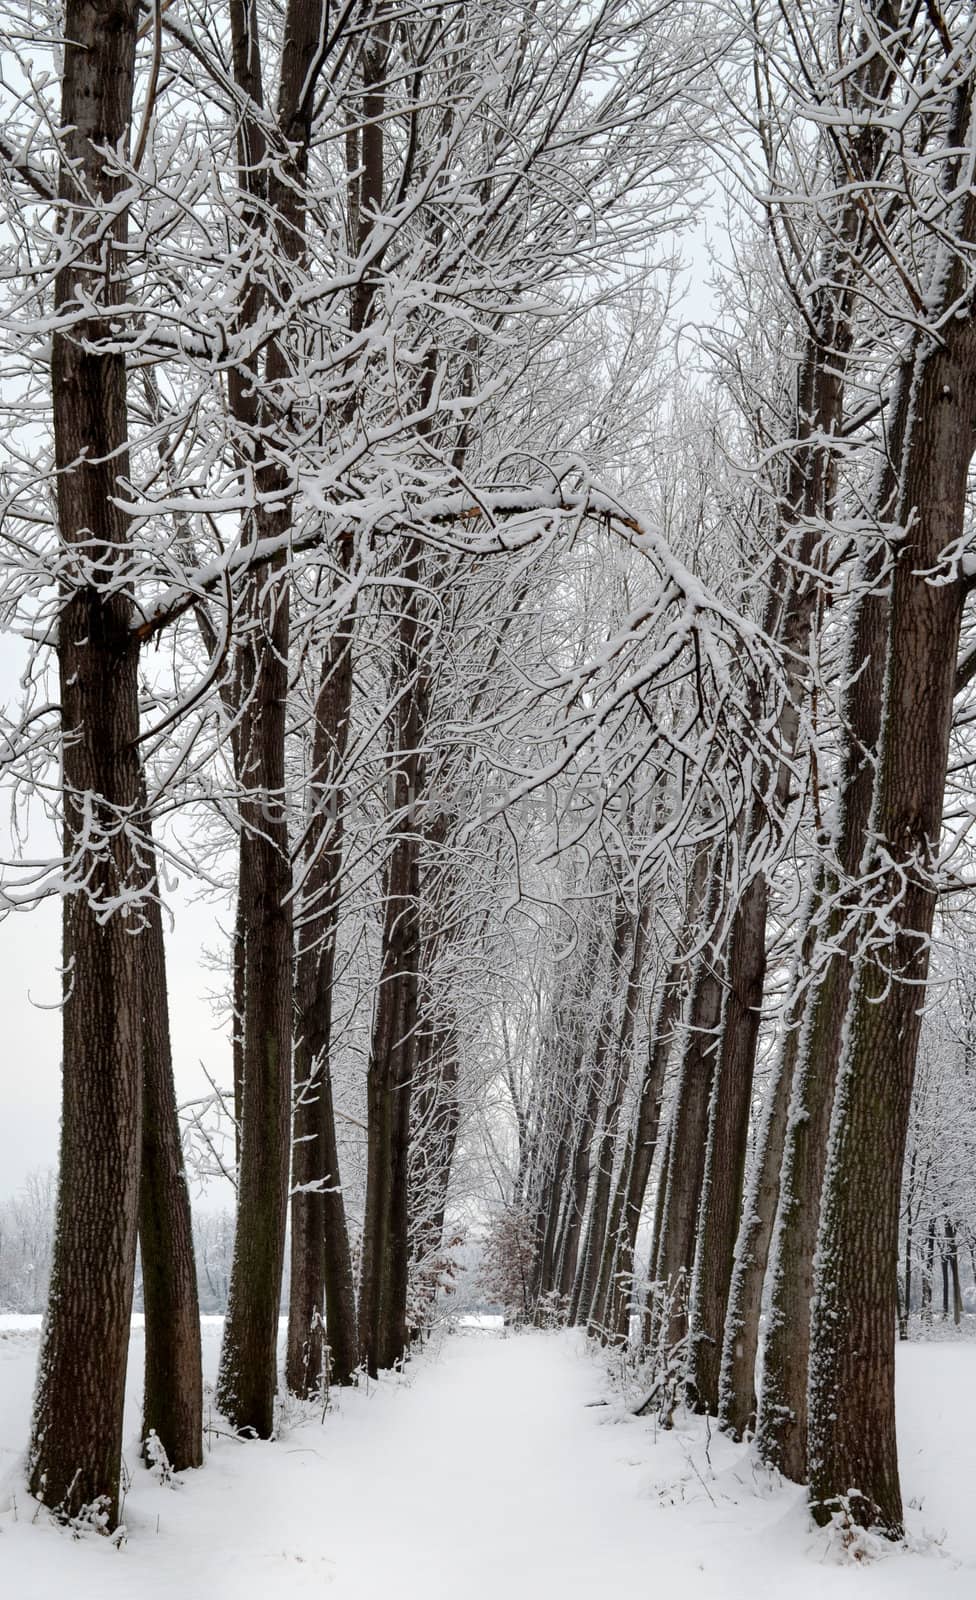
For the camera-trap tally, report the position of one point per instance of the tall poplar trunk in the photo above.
(723, 1169)
(597, 1232)
(737, 1397)
(614, 1301)
(571, 1267)
(274, 212)
(808, 497)
(322, 1308)
(574, 1204)
(781, 1419)
(553, 1133)
(436, 1106)
(782, 1410)
(550, 1212)
(173, 1398)
(682, 1183)
(247, 1379)
(852, 1446)
(393, 1046)
(75, 1452)
(790, 616)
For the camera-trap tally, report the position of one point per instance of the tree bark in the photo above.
(852, 1446)
(76, 1441)
(247, 1380)
(248, 1376)
(393, 1048)
(617, 1032)
(615, 1293)
(173, 1398)
(595, 1077)
(737, 1398)
(323, 1297)
(689, 1120)
(618, 1266)
(598, 1233)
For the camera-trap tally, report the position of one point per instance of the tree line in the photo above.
(578, 741)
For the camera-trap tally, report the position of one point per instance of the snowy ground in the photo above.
(490, 1472)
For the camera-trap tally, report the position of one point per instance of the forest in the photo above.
(485, 507)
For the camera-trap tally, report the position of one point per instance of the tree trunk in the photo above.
(322, 1294)
(793, 602)
(781, 1421)
(248, 1376)
(952, 1252)
(385, 1257)
(909, 1230)
(926, 1308)
(728, 1133)
(277, 205)
(393, 1048)
(689, 1123)
(615, 1296)
(853, 1452)
(579, 1178)
(737, 1397)
(625, 931)
(173, 1399)
(76, 1443)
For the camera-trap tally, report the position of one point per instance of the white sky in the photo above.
(30, 982)
(30, 1070)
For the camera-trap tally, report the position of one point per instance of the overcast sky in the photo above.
(30, 985)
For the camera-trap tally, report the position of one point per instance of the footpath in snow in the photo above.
(493, 1472)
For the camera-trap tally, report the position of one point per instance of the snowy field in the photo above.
(491, 1473)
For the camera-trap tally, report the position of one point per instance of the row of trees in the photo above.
(315, 319)
(548, 717)
(813, 904)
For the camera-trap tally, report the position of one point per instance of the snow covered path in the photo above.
(492, 1473)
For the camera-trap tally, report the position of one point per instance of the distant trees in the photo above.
(26, 1234)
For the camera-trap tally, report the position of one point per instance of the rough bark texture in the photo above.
(689, 1123)
(807, 508)
(247, 1380)
(75, 1450)
(619, 1044)
(852, 1447)
(276, 194)
(393, 1047)
(385, 1257)
(173, 1399)
(562, 1079)
(574, 1204)
(728, 1134)
(790, 614)
(781, 1419)
(323, 1298)
(585, 1111)
(737, 1397)
(612, 1309)
(614, 1303)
